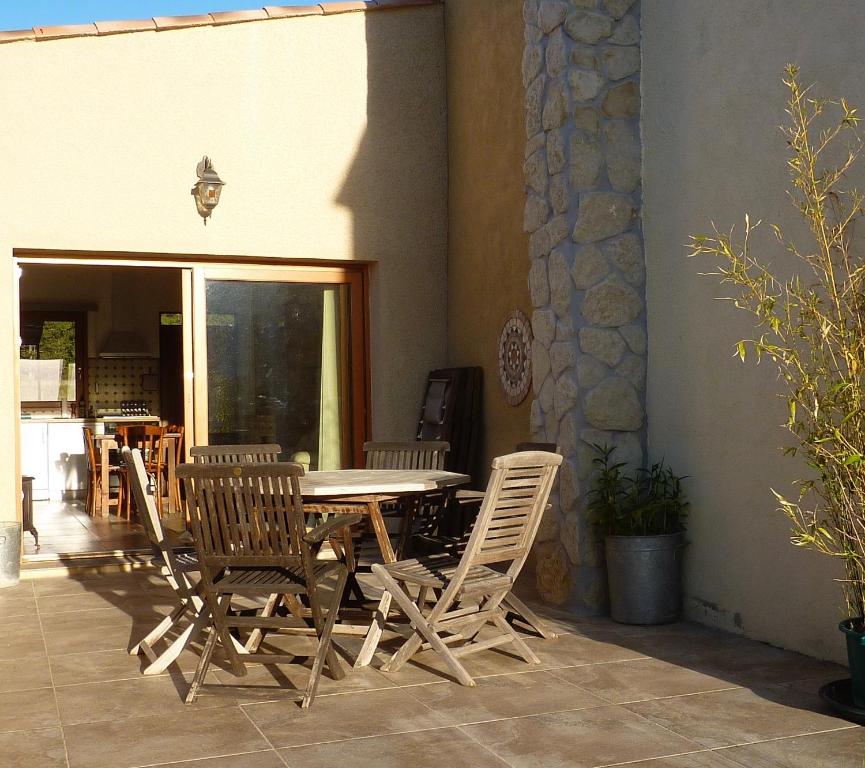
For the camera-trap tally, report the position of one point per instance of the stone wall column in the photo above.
(581, 71)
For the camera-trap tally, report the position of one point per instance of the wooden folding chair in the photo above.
(465, 505)
(265, 453)
(176, 564)
(457, 597)
(251, 539)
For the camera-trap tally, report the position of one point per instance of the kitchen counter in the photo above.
(52, 452)
(90, 420)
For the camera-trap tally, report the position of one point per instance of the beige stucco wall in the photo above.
(487, 249)
(712, 101)
(329, 131)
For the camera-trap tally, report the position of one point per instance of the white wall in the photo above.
(329, 131)
(712, 101)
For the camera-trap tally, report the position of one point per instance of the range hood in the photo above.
(124, 344)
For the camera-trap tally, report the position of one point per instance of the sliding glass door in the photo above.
(280, 357)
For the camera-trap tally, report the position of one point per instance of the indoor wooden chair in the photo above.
(266, 453)
(176, 564)
(94, 475)
(148, 439)
(251, 540)
(458, 597)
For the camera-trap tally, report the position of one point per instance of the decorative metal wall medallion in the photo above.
(515, 357)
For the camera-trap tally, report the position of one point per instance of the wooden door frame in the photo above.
(354, 276)
(303, 270)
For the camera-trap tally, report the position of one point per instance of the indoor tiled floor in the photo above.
(65, 528)
(668, 697)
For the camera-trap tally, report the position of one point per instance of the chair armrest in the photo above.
(469, 497)
(330, 526)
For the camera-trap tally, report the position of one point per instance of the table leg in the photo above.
(378, 526)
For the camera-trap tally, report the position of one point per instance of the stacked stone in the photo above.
(581, 69)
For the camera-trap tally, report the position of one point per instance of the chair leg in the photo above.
(170, 654)
(513, 604)
(159, 631)
(373, 635)
(422, 630)
(315, 607)
(203, 664)
(324, 643)
(257, 634)
(527, 653)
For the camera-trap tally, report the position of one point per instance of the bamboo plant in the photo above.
(812, 327)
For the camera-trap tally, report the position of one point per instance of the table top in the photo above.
(370, 482)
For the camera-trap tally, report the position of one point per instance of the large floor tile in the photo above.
(570, 650)
(16, 591)
(170, 738)
(528, 693)
(578, 739)
(98, 630)
(264, 682)
(102, 666)
(739, 716)
(95, 582)
(26, 710)
(837, 749)
(24, 674)
(430, 667)
(135, 697)
(123, 600)
(267, 759)
(33, 749)
(343, 716)
(692, 760)
(17, 606)
(426, 749)
(638, 680)
(760, 663)
(21, 644)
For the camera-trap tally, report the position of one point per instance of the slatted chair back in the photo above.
(147, 438)
(145, 503)
(507, 522)
(244, 515)
(265, 453)
(415, 454)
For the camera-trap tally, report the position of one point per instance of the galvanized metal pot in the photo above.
(644, 574)
(10, 554)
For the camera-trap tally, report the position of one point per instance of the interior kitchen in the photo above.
(101, 353)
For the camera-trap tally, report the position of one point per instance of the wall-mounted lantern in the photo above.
(207, 189)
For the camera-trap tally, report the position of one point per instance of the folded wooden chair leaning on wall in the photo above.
(251, 540)
(458, 597)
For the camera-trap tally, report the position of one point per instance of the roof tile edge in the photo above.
(215, 19)
(290, 11)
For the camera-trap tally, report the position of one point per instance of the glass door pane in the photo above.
(278, 367)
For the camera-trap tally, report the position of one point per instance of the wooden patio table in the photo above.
(367, 488)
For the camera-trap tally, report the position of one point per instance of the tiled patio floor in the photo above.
(670, 697)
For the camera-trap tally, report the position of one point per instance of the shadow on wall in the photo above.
(396, 190)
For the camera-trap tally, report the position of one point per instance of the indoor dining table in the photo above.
(366, 489)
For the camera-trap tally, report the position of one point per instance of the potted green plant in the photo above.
(641, 516)
(812, 327)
